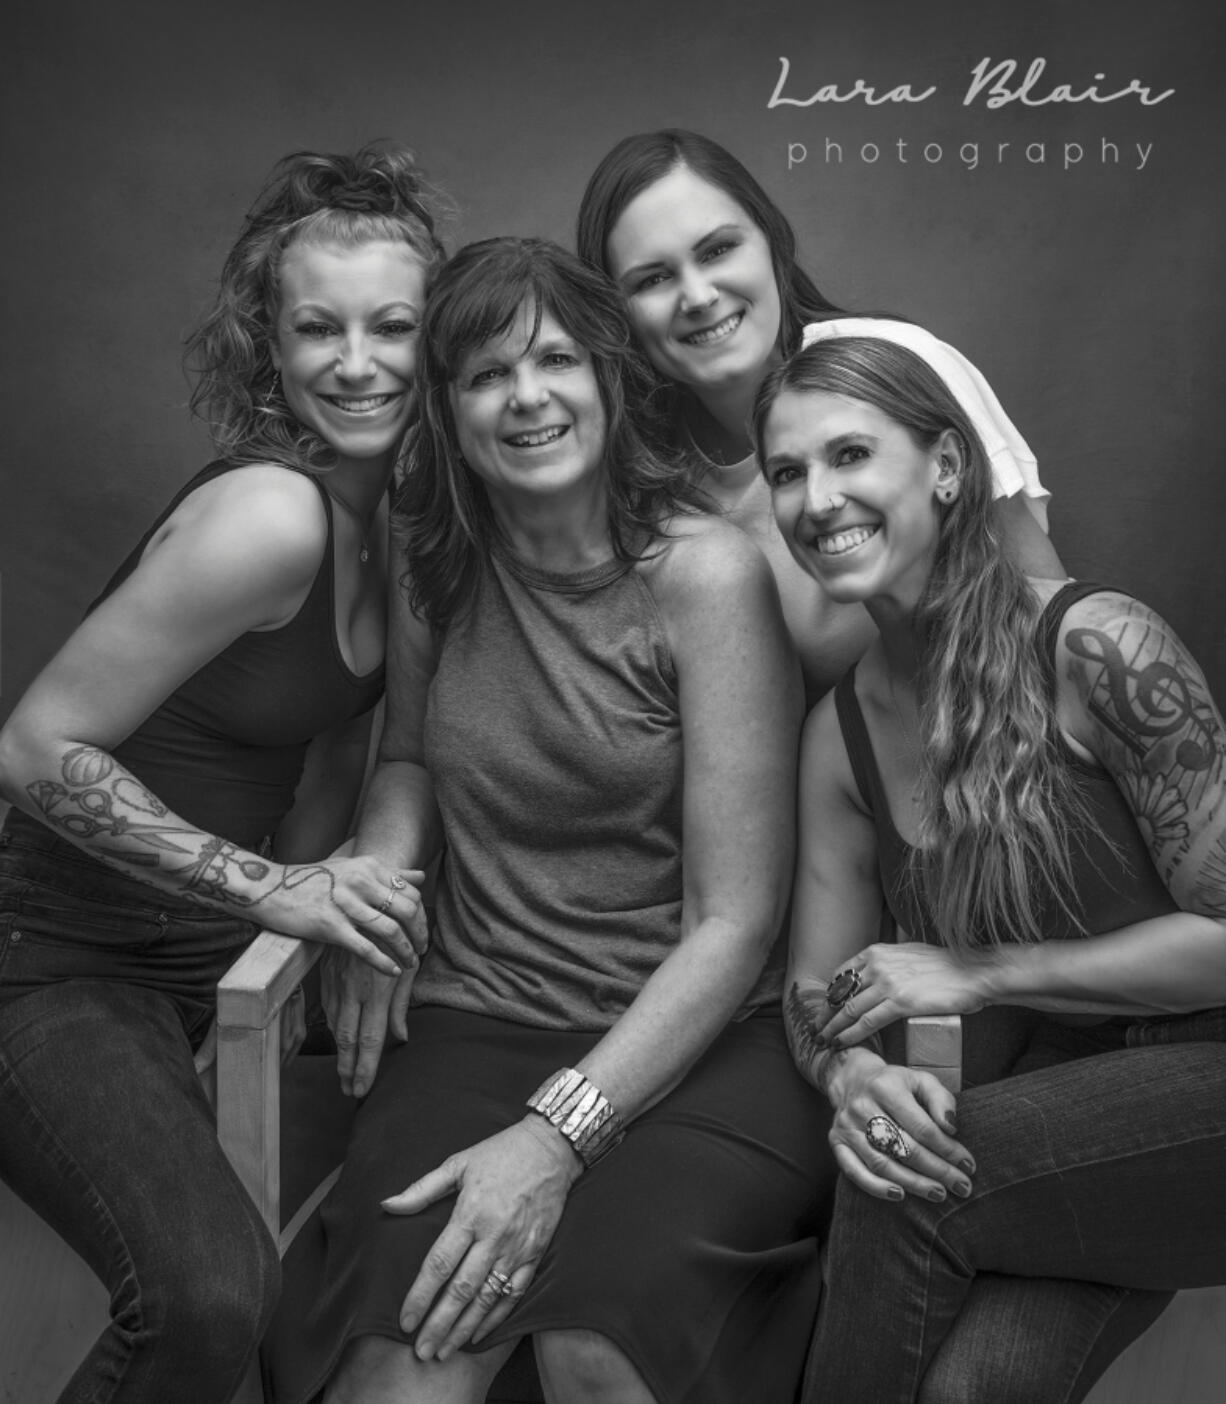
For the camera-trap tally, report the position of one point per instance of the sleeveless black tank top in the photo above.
(1114, 879)
(225, 750)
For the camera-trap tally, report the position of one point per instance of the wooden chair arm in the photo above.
(250, 1000)
(934, 1044)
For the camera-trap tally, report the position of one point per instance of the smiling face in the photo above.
(855, 495)
(529, 417)
(699, 284)
(346, 342)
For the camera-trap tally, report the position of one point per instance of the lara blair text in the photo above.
(989, 81)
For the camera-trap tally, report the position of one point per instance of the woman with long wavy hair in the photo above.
(184, 766)
(708, 268)
(1031, 778)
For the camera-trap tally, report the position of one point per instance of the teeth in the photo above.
(351, 404)
(839, 542)
(537, 437)
(715, 333)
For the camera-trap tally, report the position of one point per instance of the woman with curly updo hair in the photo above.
(182, 768)
(1030, 776)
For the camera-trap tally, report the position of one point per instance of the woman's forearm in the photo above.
(85, 795)
(675, 1017)
(1167, 965)
(400, 822)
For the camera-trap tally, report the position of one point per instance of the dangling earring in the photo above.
(274, 389)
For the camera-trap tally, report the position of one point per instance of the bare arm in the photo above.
(233, 559)
(399, 825)
(740, 712)
(836, 912)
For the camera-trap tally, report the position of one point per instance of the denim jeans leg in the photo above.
(1021, 1340)
(107, 1135)
(1107, 1169)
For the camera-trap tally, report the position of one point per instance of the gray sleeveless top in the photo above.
(553, 740)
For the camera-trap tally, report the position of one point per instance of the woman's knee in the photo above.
(585, 1365)
(212, 1308)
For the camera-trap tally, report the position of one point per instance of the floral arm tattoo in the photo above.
(97, 802)
(1163, 740)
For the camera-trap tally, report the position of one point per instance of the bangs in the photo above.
(482, 291)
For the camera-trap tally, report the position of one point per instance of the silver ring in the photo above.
(499, 1283)
(886, 1136)
(845, 984)
(399, 883)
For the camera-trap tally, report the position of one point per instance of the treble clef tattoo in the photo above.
(1146, 704)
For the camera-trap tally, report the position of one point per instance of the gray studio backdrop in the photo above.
(1059, 220)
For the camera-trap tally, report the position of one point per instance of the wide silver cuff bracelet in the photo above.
(580, 1111)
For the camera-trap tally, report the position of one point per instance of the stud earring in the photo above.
(947, 492)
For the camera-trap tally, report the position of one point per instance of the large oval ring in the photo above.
(845, 984)
(886, 1136)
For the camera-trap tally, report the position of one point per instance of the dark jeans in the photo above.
(106, 986)
(1098, 1193)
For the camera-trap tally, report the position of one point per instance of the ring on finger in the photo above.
(391, 893)
(500, 1283)
(887, 1137)
(845, 984)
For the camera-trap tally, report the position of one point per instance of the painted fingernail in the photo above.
(894, 1192)
(962, 1189)
(820, 1041)
(936, 1195)
(967, 1165)
(951, 1125)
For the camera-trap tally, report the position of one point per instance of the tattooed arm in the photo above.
(239, 554)
(1132, 698)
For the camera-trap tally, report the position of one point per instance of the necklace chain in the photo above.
(363, 527)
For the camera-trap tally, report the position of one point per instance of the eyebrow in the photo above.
(719, 232)
(854, 436)
(324, 310)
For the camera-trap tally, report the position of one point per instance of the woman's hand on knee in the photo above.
(362, 1006)
(893, 1133)
(511, 1189)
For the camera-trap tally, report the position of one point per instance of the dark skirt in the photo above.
(693, 1245)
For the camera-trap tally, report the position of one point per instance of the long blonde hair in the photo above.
(996, 796)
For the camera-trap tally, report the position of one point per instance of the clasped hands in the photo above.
(894, 1128)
